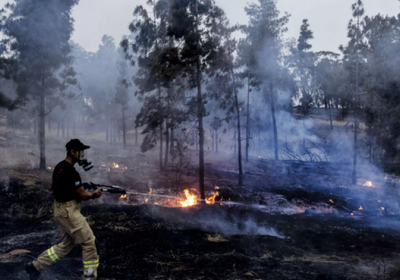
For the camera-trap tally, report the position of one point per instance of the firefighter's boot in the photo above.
(32, 271)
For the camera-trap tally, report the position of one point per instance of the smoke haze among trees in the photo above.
(185, 81)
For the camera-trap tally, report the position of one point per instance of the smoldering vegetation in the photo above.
(250, 158)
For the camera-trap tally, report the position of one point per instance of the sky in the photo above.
(328, 18)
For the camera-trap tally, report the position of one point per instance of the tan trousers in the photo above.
(74, 229)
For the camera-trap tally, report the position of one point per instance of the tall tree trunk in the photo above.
(73, 127)
(234, 141)
(239, 142)
(212, 139)
(330, 114)
(276, 145)
(200, 107)
(136, 136)
(161, 147)
(166, 144)
(172, 147)
(123, 128)
(354, 173)
(248, 118)
(42, 132)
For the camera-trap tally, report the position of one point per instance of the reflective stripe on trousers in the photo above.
(52, 254)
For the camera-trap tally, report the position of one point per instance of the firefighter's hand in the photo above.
(97, 193)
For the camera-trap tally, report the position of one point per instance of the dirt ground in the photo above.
(289, 221)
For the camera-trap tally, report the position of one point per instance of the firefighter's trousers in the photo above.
(74, 229)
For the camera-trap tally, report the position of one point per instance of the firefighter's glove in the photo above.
(97, 193)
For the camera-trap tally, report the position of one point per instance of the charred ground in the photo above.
(294, 221)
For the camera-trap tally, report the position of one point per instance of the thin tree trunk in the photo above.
(354, 174)
(234, 141)
(274, 121)
(166, 144)
(248, 118)
(200, 110)
(161, 147)
(238, 132)
(330, 114)
(172, 147)
(42, 132)
(212, 140)
(123, 128)
(58, 128)
(136, 136)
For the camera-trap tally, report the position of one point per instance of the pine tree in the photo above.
(353, 61)
(194, 24)
(40, 50)
(264, 56)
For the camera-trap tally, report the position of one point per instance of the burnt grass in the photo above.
(146, 241)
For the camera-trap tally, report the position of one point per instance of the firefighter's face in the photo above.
(74, 155)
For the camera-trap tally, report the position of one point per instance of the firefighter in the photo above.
(68, 193)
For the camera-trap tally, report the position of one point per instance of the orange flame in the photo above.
(123, 196)
(49, 168)
(211, 199)
(361, 208)
(352, 214)
(115, 165)
(331, 201)
(191, 199)
(383, 208)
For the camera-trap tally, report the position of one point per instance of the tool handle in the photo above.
(114, 190)
(109, 189)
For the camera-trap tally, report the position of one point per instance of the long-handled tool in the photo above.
(109, 189)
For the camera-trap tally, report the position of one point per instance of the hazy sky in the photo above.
(328, 18)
